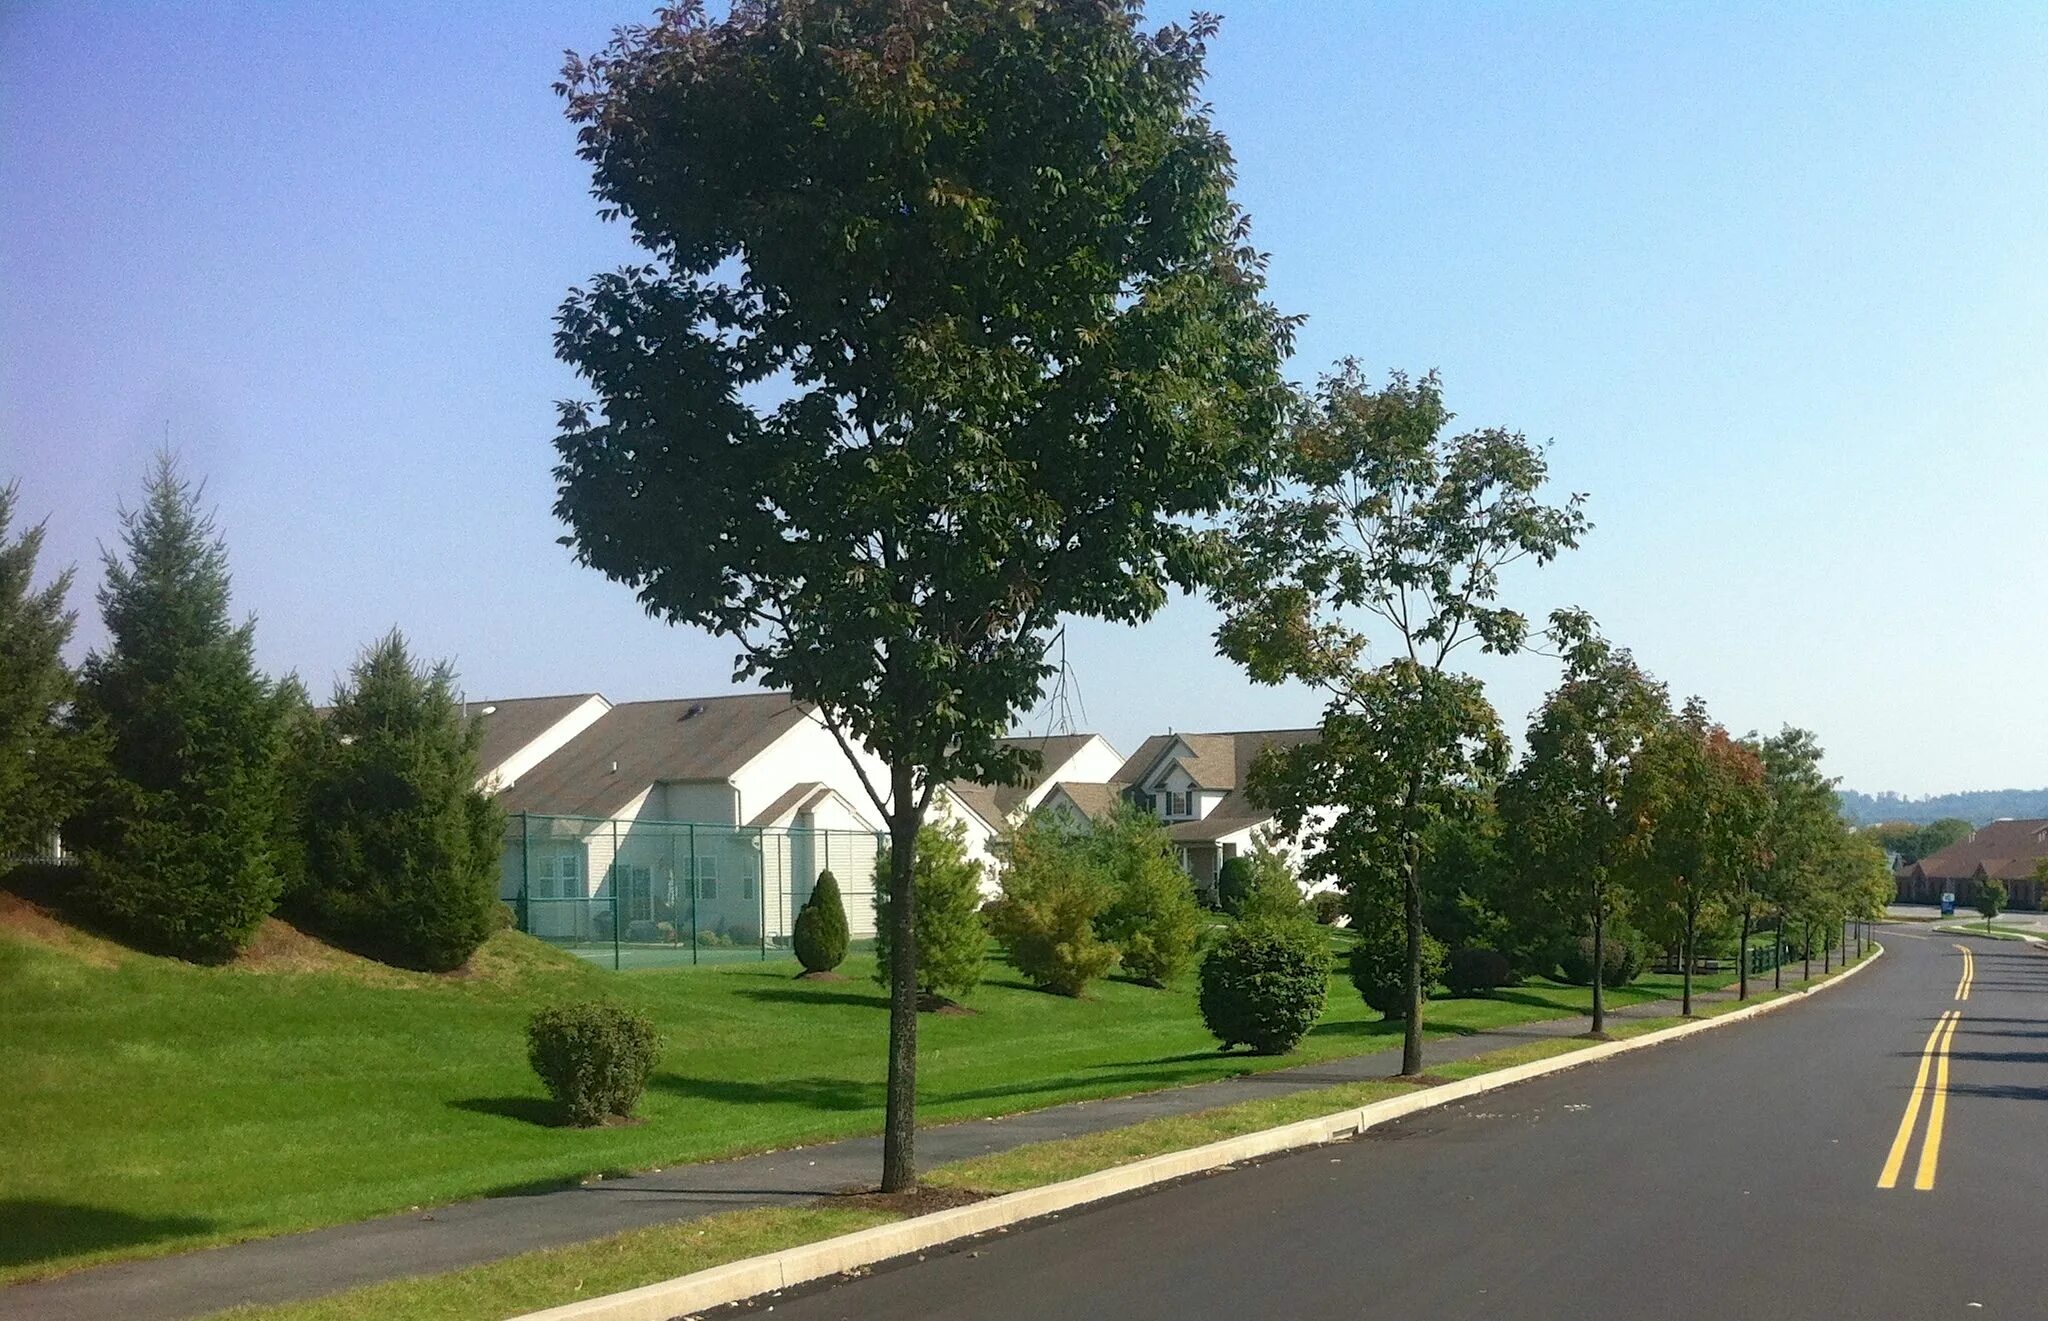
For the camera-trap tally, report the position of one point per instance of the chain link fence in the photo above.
(630, 893)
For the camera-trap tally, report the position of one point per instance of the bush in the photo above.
(1233, 884)
(1152, 918)
(821, 936)
(709, 939)
(1326, 906)
(1379, 961)
(1053, 891)
(1475, 971)
(743, 935)
(1622, 959)
(952, 943)
(1264, 984)
(594, 1058)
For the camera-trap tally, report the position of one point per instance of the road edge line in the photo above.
(751, 1277)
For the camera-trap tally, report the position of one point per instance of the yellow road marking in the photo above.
(1930, 1150)
(1897, 1159)
(1969, 973)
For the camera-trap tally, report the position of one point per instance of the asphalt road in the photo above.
(1735, 1174)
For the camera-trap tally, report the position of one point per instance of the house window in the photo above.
(1180, 805)
(635, 886)
(706, 865)
(557, 876)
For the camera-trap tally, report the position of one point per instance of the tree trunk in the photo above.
(1599, 959)
(1806, 946)
(1827, 952)
(1778, 953)
(899, 1136)
(1411, 1033)
(1690, 919)
(1742, 957)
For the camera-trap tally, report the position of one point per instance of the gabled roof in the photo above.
(996, 803)
(796, 799)
(1093, 799)
(2006, 843)
(636, 744)
(1213, 761)
(510, 723)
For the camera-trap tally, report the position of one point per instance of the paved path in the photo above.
(324, 1261)
(1736, 1175)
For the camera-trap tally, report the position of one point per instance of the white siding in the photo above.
(507, 772)
(805, 753)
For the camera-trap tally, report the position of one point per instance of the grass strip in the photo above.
(549, 1278)
(553, 1276)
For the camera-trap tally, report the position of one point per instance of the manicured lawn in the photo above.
(154, 1106)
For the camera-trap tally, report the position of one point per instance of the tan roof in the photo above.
(2006, 843)
(636, 744)
(984, 800)
(1094, 799)
(1217, 761)
(994, 803)
(793, 800)
(510, 723)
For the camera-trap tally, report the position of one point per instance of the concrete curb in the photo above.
(772, 1271)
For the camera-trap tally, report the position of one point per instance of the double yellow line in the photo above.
(1933, 1061)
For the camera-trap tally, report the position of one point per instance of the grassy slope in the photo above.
(155, 1106)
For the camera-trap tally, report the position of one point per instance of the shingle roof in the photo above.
(1223, 819)
(986, 801)
(513, 722)
(636, 744)
(1218, 761)
(994, 803)
(1094, 799)
(2023, 842)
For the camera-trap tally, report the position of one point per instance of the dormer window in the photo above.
(1179, 806)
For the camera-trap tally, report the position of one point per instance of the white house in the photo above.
(987, 812)
(1196, 784)
(707, 813)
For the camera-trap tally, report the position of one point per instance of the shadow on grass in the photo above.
(38, 1230)
(806, 995)
(536, 1110)
(840, 1095)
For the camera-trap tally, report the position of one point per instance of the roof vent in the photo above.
(696, 709)
(615, 768)
(490, 710)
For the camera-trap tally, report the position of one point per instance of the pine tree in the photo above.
(402, 848)
(41, 762)
(952, 940)
(176, 833)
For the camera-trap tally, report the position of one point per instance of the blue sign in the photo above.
(1948, 904)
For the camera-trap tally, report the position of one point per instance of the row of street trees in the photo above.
(948, 330)
(199, 796)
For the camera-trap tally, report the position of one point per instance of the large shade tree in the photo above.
(1379, 520)
(1568, 823)
(1696, 799)
(947, 328)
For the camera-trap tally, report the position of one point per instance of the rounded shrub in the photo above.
(1621, 959)
(821, 936)
(1475, 970)
(1379, 965)
(1326, 906)
(1234, 884)
(1264, 985)
(594, 1058)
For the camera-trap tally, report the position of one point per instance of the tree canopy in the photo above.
(42, 764)
(948, 328)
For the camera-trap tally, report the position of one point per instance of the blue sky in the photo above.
(1773, 279)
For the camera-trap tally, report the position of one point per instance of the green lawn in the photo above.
(154, 1106)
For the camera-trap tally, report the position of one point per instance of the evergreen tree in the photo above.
(41, 762)
(952, 940)
(303, 741)
(821, 936)
(176, 832)
(402, 848)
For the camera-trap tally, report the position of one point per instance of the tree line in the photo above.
(194, 797)
(1975, 807)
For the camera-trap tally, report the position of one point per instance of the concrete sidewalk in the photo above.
(323, 1261)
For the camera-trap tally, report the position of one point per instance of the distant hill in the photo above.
(1978, 807)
